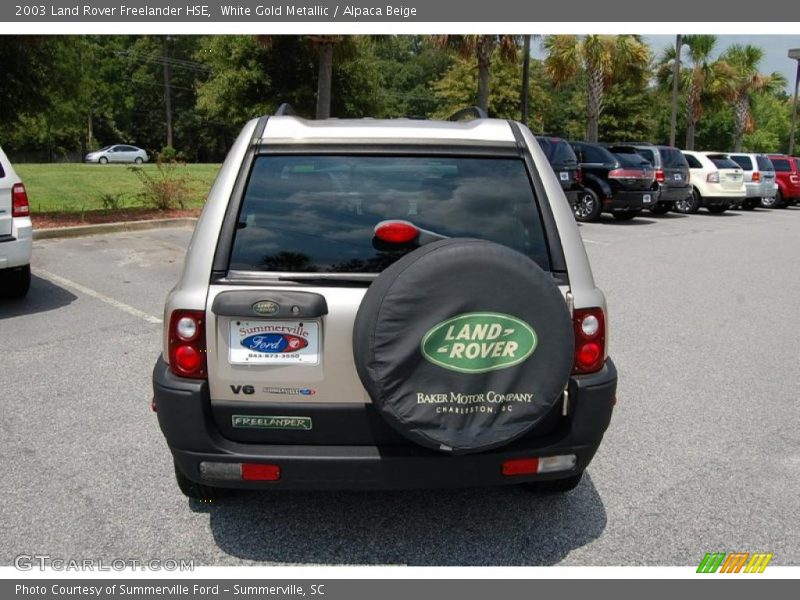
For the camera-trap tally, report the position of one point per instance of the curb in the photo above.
(81, 230)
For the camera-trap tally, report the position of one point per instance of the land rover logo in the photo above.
(265, 307)
(479, 342)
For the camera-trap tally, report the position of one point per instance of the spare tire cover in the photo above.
(463, 345)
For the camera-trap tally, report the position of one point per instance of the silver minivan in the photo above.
(759, 180)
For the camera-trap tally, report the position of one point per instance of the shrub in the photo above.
(164, 188)
(169, 154)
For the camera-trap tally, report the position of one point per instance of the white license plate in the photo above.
(677, 176)
(564, 175)
(274, 343)
(647, 198)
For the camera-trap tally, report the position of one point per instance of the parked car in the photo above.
(16, 233)
(672, 174)
(717, 183)
(385, 312)
(119, 153)
(565, 165)
(759, 180)
(787, 175)
(619, 182)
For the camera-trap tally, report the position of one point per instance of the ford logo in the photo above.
(265, 307)
(274, 343)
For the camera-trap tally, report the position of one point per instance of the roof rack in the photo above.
(285, 109)
(475, 111)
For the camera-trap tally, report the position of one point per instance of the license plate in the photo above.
(647, 198)
(564, 175)
(274, 343)
(677, 176)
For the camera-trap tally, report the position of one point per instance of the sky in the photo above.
(775, 49)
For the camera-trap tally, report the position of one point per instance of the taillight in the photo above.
(579, 175)
(660, 175)
(589, 325)
(19, 201)
(756, 176)
(794, 179)
(187, 343)
(396, 232)
(628, 174)
(713, 177)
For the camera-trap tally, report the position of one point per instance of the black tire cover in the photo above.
(463, 345)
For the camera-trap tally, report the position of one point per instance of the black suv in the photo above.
(565, 166)
(672, 174)
(618, 180)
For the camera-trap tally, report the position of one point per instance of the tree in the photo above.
(482, 49)
(603, 58)
(743, 82)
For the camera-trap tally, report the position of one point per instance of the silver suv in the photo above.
(384, 304)
(759, 180)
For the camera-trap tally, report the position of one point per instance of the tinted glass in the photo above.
(764, 164)
(557, 151)
(781, 164)
(742, 161)
(2, 172)
(692, 162)
(647, 154)
(722, 162)
(632, 159)
(595, 154)
(797, 163)
(672, 158)
(318, 213)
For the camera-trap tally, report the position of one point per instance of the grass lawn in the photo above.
(81, 187)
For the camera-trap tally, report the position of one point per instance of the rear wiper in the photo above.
(361, 278)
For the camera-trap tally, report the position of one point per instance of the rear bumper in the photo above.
(186, 420)
(624, 200)
(669, 194)
(760, 190)
(16, 248)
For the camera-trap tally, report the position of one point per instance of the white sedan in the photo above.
(717, 183)
(120, 153)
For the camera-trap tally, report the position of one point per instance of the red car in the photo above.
(787, 176)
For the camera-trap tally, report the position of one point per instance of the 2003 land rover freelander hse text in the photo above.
(384, 304)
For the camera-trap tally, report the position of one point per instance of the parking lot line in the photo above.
(94, 294)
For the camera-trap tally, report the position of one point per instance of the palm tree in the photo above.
(744, 81)
(482, 47)
(603, 58)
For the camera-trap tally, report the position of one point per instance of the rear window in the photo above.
(2, 172)
(672, 158)
(557, 151)
(593, 154)
(781, 164)
(630, 157)
(743, 161)
(318, 213)
(722, 162)
(764, 164)
(647, 154)
(797, 163)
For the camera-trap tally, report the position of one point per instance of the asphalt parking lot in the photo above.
(702, 454)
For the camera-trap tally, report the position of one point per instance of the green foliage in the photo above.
(457, 89)
(166, 188)
(169, 154)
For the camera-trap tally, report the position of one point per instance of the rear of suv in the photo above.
(717, 183)
(672, 175)
(759, 180)
(565, 165)
(16, 237)
(621, 181)
(787, 175)
(372, 304)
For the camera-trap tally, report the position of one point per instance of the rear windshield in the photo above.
(630, 157)
(318, 213)
(722, 162)
(743, 161)
(764, 164)
(557, 151)
(797, 163)
(781, 164)
(673, 158)
(692, 162)
(647, 154)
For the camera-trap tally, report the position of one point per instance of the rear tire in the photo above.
(690, 205)
(628, 215)
(553, 486)
(750, 203)
(198, 491)
(775, 202)
(102, 160)
(717, 210)
(138, 160)
(15, 282)
(587, 208)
